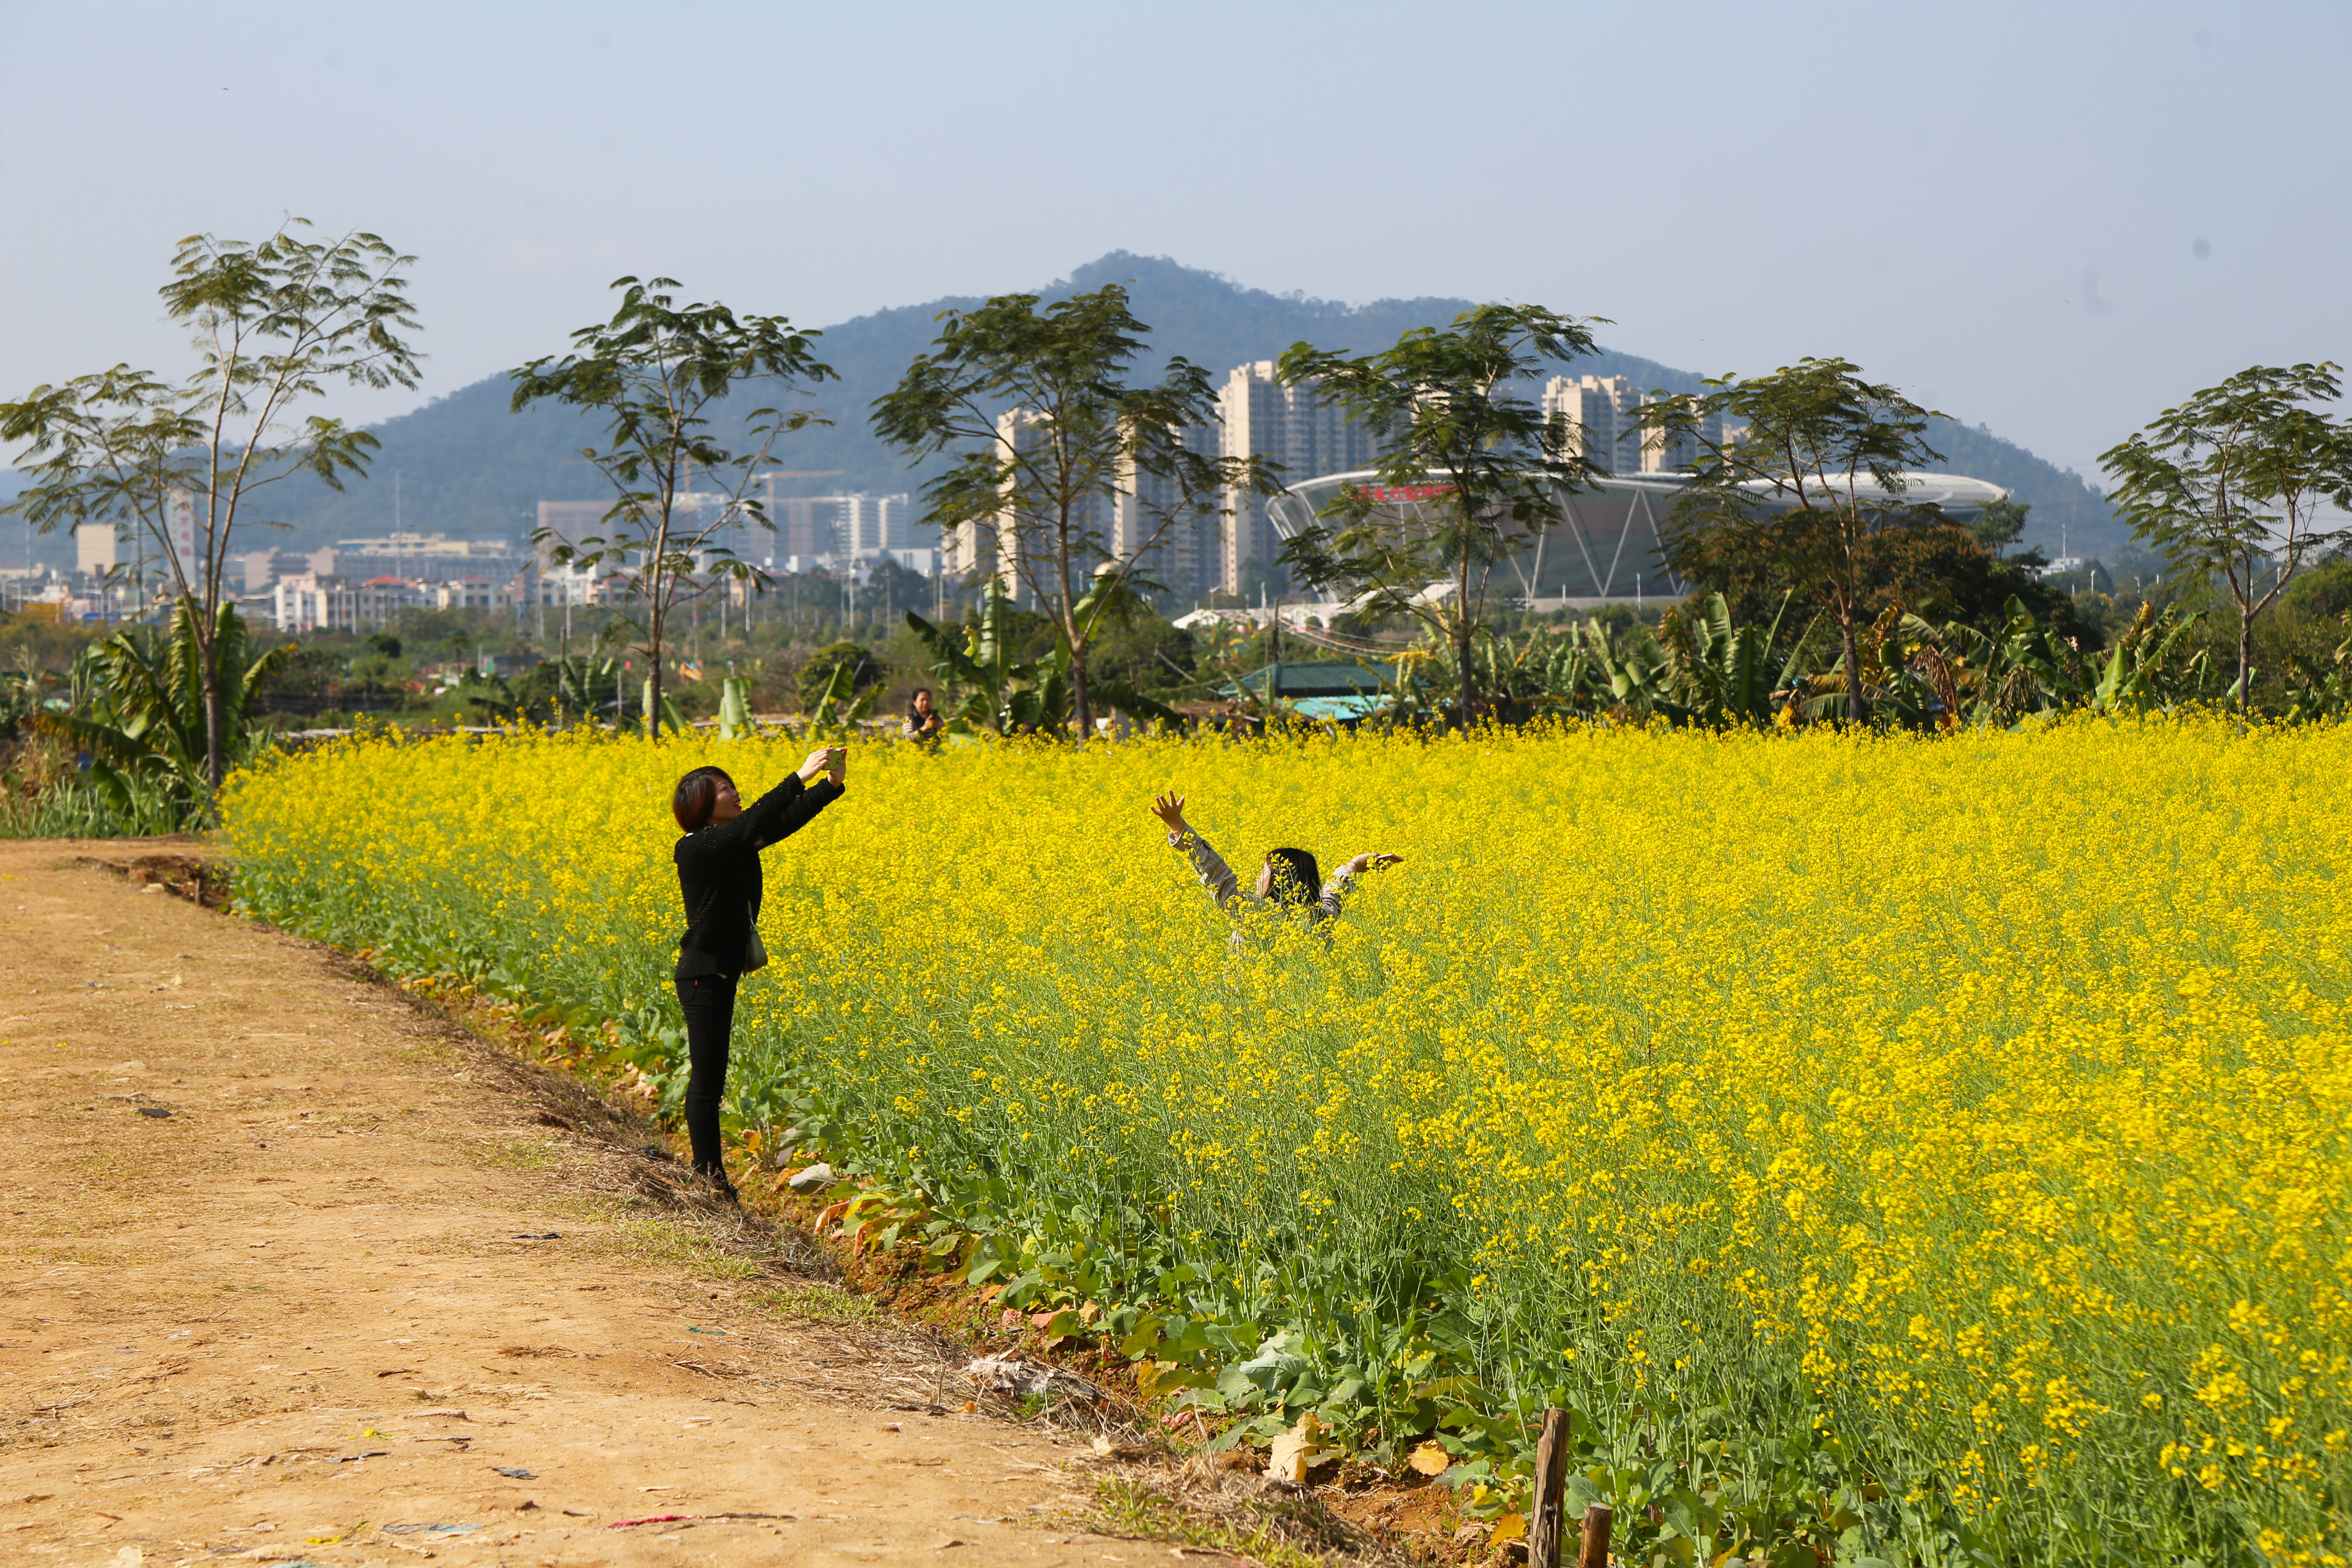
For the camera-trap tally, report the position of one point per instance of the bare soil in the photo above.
(293, 1269)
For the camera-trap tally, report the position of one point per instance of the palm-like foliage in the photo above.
(1724, 675)
(1697, 668)
(992, 687)
(2320, 691)
(984, 671)
(144, 724)
(843, 705)
(1953, 674)
(2150, 666)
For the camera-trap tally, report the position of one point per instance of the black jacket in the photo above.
(718, 874)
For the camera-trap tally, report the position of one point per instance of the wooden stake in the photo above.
(1551, 1465)
(1593, 1550)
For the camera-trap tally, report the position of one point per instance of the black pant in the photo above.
(709, 1002)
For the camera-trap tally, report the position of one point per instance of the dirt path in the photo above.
(291, 1270)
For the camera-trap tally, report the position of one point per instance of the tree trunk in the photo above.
(654, 683)
(215, 752)
(1081, 710)
(1857, 706)
(654, 618)
(2245, 661)
(201, 627)
(1469, 698)
(1466, 698)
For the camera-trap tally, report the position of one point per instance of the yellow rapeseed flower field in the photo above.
(1913, 1147)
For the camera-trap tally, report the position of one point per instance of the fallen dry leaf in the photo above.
(1296, 1451)
(1430, 1459)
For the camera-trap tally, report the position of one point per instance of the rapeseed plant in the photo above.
(1912, 1148)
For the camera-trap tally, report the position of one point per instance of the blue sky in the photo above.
(2051, 219)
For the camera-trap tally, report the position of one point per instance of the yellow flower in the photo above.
(1958, 1095)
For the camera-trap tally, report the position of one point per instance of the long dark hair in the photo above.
(696, 794)
(1296, 878)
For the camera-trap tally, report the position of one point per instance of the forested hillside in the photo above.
(467, 467)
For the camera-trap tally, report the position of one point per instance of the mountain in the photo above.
(466, 466)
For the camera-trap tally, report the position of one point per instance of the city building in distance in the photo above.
(833, 532)
(1291, 425)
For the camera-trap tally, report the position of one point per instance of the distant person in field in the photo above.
(1290, 879)
(924, 724)
(718, 875)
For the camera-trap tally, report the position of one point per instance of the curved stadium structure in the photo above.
(1611, 544)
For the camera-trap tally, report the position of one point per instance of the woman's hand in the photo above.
(825, 759)
(1169, 809)
(837, 765)
(1374, 862)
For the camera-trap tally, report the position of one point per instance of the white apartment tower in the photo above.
(992, 547)
(1288, 425)
(1602, 408)
(1179, 544)
(871, 524)
(1607, 409)
(1663, 454)
(1177, 555)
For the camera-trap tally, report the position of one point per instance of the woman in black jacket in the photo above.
(718, 875)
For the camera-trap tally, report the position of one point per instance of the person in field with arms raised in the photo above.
(719, 877)
(1290, 879)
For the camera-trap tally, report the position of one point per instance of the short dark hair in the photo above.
(1296, 878)
(921, 691)
(696, 794)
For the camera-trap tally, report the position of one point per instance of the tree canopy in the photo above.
(1470, 470)
(2233, 483)
(655, 371)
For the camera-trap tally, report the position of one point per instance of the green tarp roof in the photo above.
(1291, 679)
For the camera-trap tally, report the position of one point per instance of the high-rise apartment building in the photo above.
(1664, 454)
(94, 548)
(845, 528)
(980, 548)
(1145, 521)
(1175, 540)
(1607, 409)
(868, 525)
(1602, 410)
(1291, 427)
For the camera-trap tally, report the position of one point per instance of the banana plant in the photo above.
(1999, 677)
(982, 673)
(735, 708)
(23, 692)
(993, 688)
(1724, 675)
(1632, 669)
(2141, 671)
(843, 706)
(145, 727)
(586, 686)
(2320, 693)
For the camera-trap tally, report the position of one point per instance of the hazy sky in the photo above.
(2054, 219)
